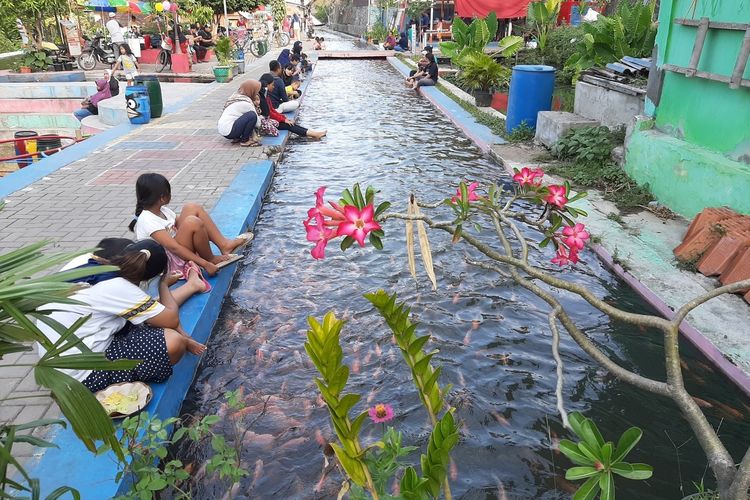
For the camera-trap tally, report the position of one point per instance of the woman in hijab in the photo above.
(303, 62)
(283, 58)
(239, 118)
(90, 105)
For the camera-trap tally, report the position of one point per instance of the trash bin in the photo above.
(531, 88)
(25, 147)
(262, 47)
(137, 104)
(154, 93)
(46, 143)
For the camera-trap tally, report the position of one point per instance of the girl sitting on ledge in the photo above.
(126, 323)
(186, 237)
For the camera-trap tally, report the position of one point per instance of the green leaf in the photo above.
(376, 242)
(607, 485)
(606, 454)
(575, 473)
(626, 443)
(632, 471)
(571, 450)
(359, 200)
(347, 242)
(93, 361)
(59, 492)
(588, 490)
(382, 208)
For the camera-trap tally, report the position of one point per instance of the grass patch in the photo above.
(494, 123)
(615, 217)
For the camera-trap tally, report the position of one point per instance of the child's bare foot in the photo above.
(216, 259)
(195, 347)
(195, 282)
(317, 134)
(237, 243)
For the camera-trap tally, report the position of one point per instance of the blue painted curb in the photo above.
(283, 137)
(94, 476)
(480, 134)
(24, 177)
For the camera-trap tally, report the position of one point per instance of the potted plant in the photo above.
(481, 74)
(223, 50)
(35, 60)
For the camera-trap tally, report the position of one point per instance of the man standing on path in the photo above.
(115, 33)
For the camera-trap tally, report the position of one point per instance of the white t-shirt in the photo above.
(148, 223)
(110, 303)
(79, 261)
(128, 64)
(115, 31)
(230, 115)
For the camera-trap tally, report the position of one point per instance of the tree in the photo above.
(32, 13)
(512, 255)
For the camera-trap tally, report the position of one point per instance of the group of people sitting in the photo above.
(319, 43)
(402, 45)
(426, 74)
(201, 40)
(125, 321)
(258, 106)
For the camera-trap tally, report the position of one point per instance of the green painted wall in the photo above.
(704, 112)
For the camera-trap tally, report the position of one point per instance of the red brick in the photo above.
(718, 257)
(738, 269)
(694, 246)
(707, 217)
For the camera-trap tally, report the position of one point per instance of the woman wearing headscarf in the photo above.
(267, 82)
(104, 87)
(303, 62)
(239, 118)
(283, 58)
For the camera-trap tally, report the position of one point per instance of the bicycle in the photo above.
(282, 39)
(165, 55)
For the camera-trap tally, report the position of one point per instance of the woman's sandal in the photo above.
(192, 266)
(246, 237)
(233, 257)
(250, 143)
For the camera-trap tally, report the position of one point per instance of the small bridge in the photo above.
(355, 54)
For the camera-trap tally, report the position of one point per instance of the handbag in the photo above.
(269, 126)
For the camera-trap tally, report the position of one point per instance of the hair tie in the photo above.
(147, 252)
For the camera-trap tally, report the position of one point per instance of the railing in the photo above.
(32, 155)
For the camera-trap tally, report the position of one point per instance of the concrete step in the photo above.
(92, 125)
(34, 121)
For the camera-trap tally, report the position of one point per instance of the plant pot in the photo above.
(240, 65)
(483, 98)
(222, 73)
(24, 69)
(57, 66)
(68, 66)
(375, 41)
(235, 70)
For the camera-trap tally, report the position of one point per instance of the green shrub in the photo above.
(223, 50)
(7, 45)
(585, 145)
(481, 72)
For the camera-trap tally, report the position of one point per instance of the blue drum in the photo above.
(531, 88)
(137, 104)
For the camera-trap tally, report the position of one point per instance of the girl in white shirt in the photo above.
(154, 334)
(186, 237)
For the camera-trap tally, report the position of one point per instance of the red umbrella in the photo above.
(134, 8)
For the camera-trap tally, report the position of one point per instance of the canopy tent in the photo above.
(505, 9)
(120, 6)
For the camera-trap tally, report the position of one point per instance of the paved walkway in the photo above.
(94, 198)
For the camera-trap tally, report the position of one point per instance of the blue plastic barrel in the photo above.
(575, 16)
(531, 88)
(137, 104)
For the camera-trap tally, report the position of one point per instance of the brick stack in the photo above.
(718, 240)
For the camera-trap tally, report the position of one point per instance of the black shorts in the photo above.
(142, 342)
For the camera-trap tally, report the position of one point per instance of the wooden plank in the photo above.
(739, 67)
(714, 25)
(616, 86)
(704, 75)
(700, 38)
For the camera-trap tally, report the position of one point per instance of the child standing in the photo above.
(187, 236)
(128, 63)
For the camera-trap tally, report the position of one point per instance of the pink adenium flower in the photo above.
(556, 196)
(529, 177)
(357, 223)
(335, 212)
(319, 234)
(470, 191)
(575, 236)
(381, 413)
(563, 257)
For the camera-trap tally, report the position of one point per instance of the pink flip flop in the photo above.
(192, 266)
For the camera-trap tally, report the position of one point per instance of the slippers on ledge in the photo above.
(192, 266)
(247, 238)
(233, 257)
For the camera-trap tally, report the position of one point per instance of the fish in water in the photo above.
(356, 365)
(371, 396)
(500, 488)
(257, 473)
(500, 419)
(467, 338)
(461, 379)
(453, 470)
(319, 438)
(456, 298)
(378, 350)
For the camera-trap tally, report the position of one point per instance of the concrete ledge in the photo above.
(35, 121)
(44, 76)
(610, 107)
(93, 476)
(92, 125)
(481, 135)
(551, 126)
(47, 90)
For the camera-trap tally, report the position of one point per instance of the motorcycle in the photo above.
(97, 50)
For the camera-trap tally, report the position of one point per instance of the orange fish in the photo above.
(453, 470)
(257, 473)
(319, 437)
(500, 419)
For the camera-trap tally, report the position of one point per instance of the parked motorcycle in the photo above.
(97, 50)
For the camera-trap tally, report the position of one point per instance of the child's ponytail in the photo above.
(132, 265)
(141, 261)
(149, 189)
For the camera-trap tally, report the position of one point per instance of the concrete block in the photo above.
(609, 107)
(551, 126)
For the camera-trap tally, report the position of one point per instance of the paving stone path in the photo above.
(94, 197)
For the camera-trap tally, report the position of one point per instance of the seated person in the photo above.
(107, 249)
(316, 43)
(429, 76)
(200, 49)
(322, 43)
(421, 65)
(277, 93)
(154, 334)
(284, 57)
(390, 42)
(403, 44)
(292, 90)
(106, 87)
(187, 237)
(290, 74)
(239, 119)
(266, 110)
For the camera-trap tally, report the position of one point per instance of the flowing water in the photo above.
(493, 336)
